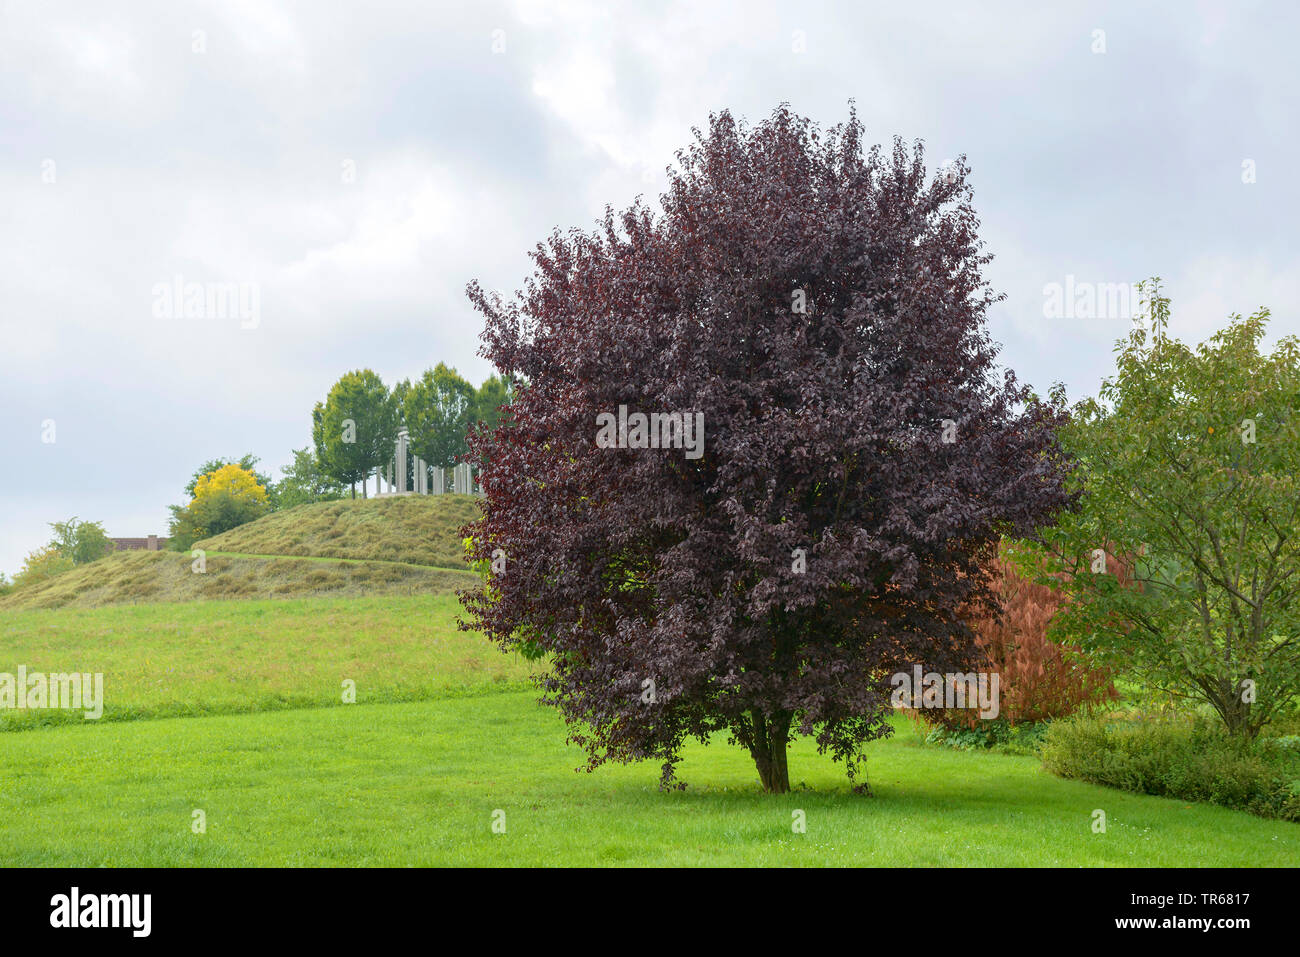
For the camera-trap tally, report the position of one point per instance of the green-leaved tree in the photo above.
(80, 542)
(1182, 560)
(489, 399)
(437, 409)
(354, 429)
(303, 481)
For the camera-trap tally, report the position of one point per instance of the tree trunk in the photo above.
(768, 746)
(354, 490)
(1227, 698)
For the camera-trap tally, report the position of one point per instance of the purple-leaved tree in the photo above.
(819, 310)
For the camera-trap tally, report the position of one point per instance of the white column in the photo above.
(401, 461)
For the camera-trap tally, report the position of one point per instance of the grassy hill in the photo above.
(418, 529)
(389, 546)
(135, 577)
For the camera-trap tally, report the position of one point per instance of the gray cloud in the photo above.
(227, 166)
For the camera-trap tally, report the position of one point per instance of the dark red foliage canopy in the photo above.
(667, 590)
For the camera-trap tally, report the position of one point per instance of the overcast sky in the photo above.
(356, 164)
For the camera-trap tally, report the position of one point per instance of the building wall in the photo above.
(150, 544)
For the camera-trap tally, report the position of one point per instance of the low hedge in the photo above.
(997, 735)
(1189, 760)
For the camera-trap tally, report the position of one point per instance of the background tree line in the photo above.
(353, 433)
(355, 428)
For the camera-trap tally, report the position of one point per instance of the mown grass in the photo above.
(419, 529)
(136, 577)
(204, 658)
(248, 723)
(418, 784)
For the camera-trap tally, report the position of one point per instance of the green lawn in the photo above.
(238, 711)
(236, 656)
(418, 783)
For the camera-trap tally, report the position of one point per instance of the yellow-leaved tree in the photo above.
(223, 498)
(239, 482)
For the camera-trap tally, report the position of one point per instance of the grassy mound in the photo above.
(419, 529)
(135, 577)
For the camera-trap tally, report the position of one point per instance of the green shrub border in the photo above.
(1192, 760)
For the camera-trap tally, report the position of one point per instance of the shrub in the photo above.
(42, 565)
(303, 482)
(1191, 760)
(81, 542)
(997, 735)
(1038, 678)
